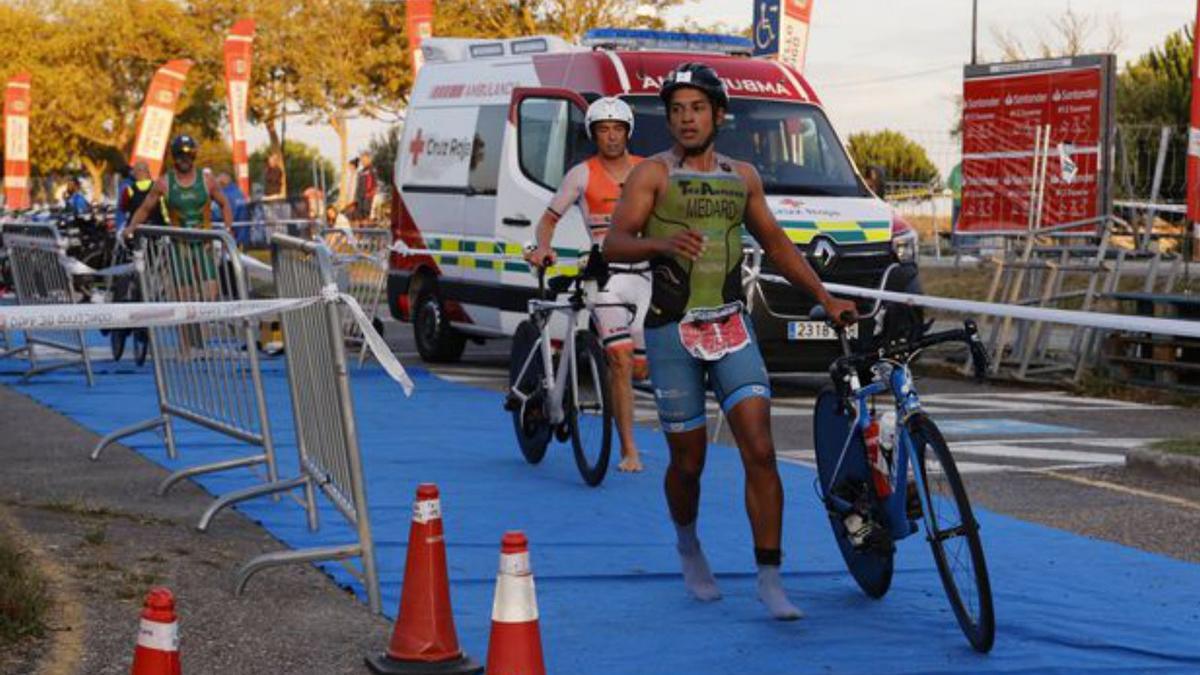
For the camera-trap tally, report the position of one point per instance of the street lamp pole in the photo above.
(974, 30)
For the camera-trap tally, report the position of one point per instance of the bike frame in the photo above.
(899, 382)
(554, 381)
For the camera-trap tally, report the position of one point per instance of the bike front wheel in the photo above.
(953, 535)
(526, 375)
(589, 410)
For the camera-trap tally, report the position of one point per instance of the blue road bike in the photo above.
(866, 487)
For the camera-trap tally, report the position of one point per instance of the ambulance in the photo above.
(493, 125)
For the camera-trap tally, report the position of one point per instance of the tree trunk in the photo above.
(95, 171)
(341, 127)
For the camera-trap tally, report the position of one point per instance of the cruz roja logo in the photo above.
(434, 147)
(823, 253)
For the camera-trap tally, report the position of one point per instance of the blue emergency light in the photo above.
(633, 38)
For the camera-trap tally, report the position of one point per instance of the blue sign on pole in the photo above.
(766, 27)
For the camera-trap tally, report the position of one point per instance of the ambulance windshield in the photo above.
(791, 144)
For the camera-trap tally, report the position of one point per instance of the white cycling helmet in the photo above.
(608, 109)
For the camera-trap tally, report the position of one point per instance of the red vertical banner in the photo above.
(239, 53)
(419, 20)
(158, 114)
(16, 141)
(793, 32)
(1193, 162)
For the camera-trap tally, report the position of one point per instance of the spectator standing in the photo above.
(365, 187)
(73, 199)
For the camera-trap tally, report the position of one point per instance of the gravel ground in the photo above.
(112, 539)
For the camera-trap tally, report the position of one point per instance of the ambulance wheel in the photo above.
(437, 341)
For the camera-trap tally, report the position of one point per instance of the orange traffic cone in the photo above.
(157, 650)
(424, 640)
(515, 646)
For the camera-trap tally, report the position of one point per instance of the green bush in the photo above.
(23, 595)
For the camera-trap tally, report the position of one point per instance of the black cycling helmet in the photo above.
(184, 146)
(698, 76)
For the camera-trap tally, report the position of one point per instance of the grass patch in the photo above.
(23, 596)
(87, 510)
(96, 537)
(964, 283)
(1098, 386)
(1178, 446)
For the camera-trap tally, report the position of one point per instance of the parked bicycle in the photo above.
(881, 476)
(563, 394)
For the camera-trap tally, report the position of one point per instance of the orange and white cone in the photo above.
(515, 645)
(157, 650)
(424, 640)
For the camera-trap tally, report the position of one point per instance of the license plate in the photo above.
(816, 330)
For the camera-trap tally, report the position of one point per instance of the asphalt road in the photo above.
(1042, 455)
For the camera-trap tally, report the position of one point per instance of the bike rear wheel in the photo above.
(871, 567)
(953, 535)
(589, 414)
(529, 417)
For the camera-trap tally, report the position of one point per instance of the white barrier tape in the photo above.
(426, 510)
(1151, 206)
(400, 248)
(161, 637)
(139, 314)
(163, 314)
(255, 267)
(1122, 322)
(373, 341)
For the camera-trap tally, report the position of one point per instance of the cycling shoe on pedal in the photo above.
(863, 529)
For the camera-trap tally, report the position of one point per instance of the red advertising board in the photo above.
(1004, 106)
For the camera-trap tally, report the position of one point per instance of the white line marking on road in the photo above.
(1115, 487)
(994, 449)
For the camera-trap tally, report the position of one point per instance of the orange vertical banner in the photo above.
(158, 114)
(793, 34)
(419, 20)
(239, 54)
(16, 141)
(1193, 160)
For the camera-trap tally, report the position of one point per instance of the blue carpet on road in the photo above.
(610, 598)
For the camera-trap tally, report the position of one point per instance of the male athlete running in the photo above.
(683, 210)
(595, 185)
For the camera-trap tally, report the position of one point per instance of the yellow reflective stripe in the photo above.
(838, 226)
(799, 236)
(877, 235)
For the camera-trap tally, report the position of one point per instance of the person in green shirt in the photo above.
(683, 210)
(954, 182)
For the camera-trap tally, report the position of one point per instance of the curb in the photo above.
(1181, 468)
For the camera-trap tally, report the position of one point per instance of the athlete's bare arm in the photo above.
(625, 242)
(148, 205)
(783, 253)
(214, 192)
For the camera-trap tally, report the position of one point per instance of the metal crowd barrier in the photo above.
(327, 438)
(360, 257)
(206, 373)
(36, 253)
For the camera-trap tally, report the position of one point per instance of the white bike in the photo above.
(564, 394)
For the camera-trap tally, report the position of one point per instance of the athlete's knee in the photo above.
(687, 466)
(641, 367)
(621, 361)
(759, 452)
